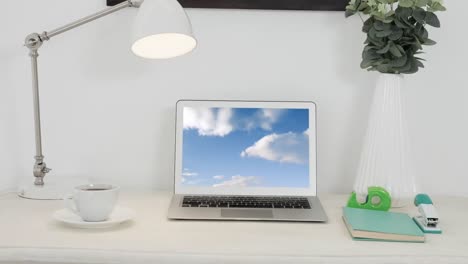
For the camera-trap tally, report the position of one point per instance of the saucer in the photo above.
(118, 216)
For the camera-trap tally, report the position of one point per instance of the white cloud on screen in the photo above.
(189, 174)
(222, 121)
(267, 117)
(207, 121)
(192, 182)
(189, 177)
(218, 177)
(238, 181)
(286, 148)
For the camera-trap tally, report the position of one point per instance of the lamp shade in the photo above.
(162, 30)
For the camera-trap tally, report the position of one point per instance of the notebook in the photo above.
(366, 224)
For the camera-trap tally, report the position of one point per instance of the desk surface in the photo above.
(29, 235)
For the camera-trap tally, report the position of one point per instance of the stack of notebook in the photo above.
(366, 224)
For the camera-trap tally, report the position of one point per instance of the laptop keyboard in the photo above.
(246, 202)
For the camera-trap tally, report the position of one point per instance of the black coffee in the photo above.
(95, 189)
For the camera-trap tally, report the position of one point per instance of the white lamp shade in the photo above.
(162, 30)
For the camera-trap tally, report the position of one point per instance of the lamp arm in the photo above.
(33, 42)
(90, 18)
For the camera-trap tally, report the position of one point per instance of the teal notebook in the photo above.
(366, 224)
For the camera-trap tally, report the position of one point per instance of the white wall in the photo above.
(110, 116)
(8, 127)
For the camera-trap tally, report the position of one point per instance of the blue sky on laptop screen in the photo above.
(245, 147)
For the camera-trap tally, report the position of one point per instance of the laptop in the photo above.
(246, 160)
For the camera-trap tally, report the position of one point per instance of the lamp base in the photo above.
(45, 192)
(54, 188)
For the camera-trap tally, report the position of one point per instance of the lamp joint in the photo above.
(40, 170)
(135, 3)
(34, 40)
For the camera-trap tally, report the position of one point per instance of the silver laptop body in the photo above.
(246, 160)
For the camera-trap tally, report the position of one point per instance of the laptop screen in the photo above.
(229, 147)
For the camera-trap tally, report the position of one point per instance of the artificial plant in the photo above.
(396, 32)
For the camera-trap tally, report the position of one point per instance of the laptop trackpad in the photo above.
(246, 213)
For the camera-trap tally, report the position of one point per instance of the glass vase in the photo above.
(385, 158)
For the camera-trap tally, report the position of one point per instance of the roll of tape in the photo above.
(377, 199)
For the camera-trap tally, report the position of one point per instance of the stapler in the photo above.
(428, 221)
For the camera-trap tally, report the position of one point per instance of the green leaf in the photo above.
(368, 25)
(421, 3)
(372, 33)
(400, 48)
(366, 64)
(419, 64)
(385, 33)
(396, 34)
(414, 67)
(395, 51)
(420, 32)
(385, 20)
(353, 4)
(399, 62)
(370, 55)
(362, 6)
(406, 3)
(432, 20)
(424, 33)
(376, 42)
(417, 44)
(403, 12)
(384, 49)
(409, 21)
(379, 25)
(349, 13)
(419, 14)
(405, 68)
(400, 24)
(429, 42)
(436, 6)
(390, 13)
(383, 68)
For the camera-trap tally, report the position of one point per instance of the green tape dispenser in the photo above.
(377, 199)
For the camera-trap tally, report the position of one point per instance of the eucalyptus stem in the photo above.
(361, 17)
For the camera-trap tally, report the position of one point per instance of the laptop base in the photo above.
(315, 214)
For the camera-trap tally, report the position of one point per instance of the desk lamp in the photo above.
(162, 30)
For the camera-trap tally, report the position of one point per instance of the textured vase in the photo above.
(385, 158)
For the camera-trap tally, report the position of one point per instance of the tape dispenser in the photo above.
(377, 199)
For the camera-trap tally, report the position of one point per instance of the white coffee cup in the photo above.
(93, 202)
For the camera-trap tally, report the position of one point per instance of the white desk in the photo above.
(29, 235)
